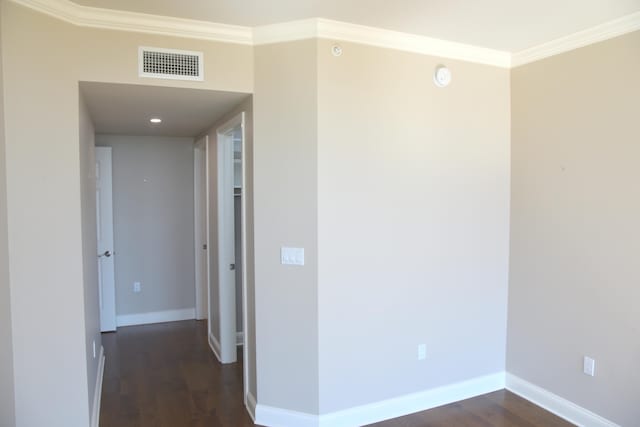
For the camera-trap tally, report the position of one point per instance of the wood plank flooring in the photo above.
(165, 375)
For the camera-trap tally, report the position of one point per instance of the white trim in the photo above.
(250, 404)
(286, 32)
(111, 19)
(208, 219)
(225, 226)
(200, 158)
(239, 338)
(606, 31)
(214, 344)
(411, 43)
(384, 410)
(243, 238)
(97, 393)
(343, 31)
(156, 317)
(553, 403)
(270, 416)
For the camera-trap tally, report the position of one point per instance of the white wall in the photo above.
(413, 223)
(153, 222)
(575, 236)
(89, 248)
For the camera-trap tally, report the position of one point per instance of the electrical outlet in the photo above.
(137, 287)
(422, 351)
(589, 366)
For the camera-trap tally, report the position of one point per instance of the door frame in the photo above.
(225, 169)
(201, 159)
(106, 294)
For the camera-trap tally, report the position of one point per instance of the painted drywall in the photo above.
(44, 59)
(413, 223)
(7, 418)
(285, 179)
(574, 234)
(93, 338)
(152, 222)
(250, 335)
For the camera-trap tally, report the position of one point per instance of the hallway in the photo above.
(165, 375)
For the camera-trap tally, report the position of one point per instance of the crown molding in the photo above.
(411, 43)
(334, 30)
(86, 16)
(602, 32)
(286, 32)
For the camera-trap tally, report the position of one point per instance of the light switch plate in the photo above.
(589, 366)
(292, 256)
(422, 351)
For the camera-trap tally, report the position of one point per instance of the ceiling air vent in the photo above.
(170, 64)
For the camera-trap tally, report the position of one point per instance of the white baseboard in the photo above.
(384, 410)
(97, 393)
(215, 347)
(250, 404)
(553, 403)
(270, 416)
(239, 338)
(156, 317)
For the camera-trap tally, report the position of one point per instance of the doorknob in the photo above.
(105, 254)
(232, 266)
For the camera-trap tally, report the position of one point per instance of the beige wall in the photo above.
(575, 235)
(249, 330)
(286, 209)
(413, 223)
(89, 246)
(405, 211)
(6, 348)
(152, 222)
(44, 197)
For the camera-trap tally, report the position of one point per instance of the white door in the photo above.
(226, 240)
(201, 232)
(104, 220)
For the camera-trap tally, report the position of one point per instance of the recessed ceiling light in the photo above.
(155, 120)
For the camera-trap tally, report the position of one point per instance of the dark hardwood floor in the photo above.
(498, 409)
(165, 375)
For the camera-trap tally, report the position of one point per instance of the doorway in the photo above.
(201, 226)
(104, 234)
(147, 152)
(231, 232)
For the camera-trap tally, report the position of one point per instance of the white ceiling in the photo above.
(126, 109)
(509, 25)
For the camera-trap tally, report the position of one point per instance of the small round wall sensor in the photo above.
(442, 76)
(336, 50)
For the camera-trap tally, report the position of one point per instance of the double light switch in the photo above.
(292, 256)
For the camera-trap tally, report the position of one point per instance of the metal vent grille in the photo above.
(170, 64)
